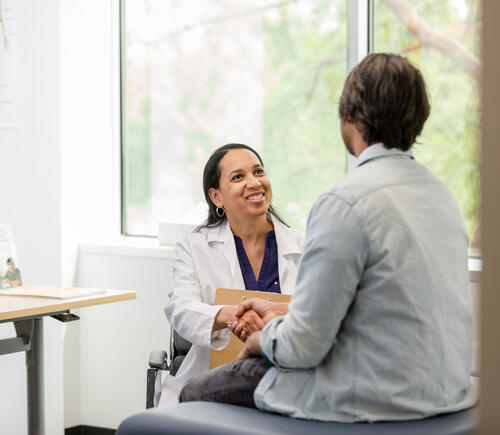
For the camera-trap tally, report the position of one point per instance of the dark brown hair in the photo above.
(385, 95)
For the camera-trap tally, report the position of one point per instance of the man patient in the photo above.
(379, 327)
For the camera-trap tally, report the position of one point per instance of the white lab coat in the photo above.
(203, 262)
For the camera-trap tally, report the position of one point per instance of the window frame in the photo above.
(360, 42)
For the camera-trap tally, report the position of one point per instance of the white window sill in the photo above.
(149, 247)
(129, 247)
(475, 268)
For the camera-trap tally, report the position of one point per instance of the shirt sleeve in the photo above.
(186, 311)
(335, 252)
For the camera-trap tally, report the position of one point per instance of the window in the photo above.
(201, 74)
(196, 75)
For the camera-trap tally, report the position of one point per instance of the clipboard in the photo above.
(225, 296)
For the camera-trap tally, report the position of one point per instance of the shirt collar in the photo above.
(378, 150)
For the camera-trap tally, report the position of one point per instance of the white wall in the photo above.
(89, 126)
(115, 340)
(31, 200)
(59, 170)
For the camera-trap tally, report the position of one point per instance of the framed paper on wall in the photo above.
(8, 64)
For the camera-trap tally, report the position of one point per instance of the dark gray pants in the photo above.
(232, 383)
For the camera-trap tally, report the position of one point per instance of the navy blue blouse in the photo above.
(269, 280)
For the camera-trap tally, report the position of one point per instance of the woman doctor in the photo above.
(242, 244)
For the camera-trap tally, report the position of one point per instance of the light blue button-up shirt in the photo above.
(379, 327)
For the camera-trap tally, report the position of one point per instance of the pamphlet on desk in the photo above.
(52, 292)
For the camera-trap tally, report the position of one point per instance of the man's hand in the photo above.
(266, 310)
(252, 316)
(247, 324)
(252, 347)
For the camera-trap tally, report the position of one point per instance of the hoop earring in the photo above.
(218, 213)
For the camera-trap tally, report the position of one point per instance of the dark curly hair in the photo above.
(211, 177)
(385, 95)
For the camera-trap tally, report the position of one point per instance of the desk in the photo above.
(26, 313)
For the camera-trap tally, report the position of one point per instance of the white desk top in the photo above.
(16, 307)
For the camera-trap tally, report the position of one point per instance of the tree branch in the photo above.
(218, 19)
(451, 48)
(319, 68)
(4, 32)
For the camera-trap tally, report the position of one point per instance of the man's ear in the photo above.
(215, 197)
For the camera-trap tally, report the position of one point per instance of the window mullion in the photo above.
(359, 41)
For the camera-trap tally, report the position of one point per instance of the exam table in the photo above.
(208, 418)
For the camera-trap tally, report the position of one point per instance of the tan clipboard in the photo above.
(225, 296)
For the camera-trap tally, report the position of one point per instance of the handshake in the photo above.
(252, 315)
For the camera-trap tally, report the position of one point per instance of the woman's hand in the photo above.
(247, 324)
(252, 347)
(226, 316)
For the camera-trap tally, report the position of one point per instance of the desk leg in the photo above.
(34, 367)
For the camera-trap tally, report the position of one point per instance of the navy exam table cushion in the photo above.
(210, 418)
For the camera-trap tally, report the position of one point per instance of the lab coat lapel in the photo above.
(287, 245)
(223, 237)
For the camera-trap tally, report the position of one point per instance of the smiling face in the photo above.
(244, 189)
